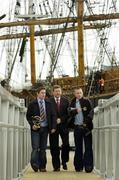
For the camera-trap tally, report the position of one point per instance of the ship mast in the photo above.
(80, 10)
(32, 54)
(53, 21)
(32, 45)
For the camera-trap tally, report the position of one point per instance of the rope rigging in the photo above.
(56, 55)
(54, 43)
(54, 38)
(103, 34)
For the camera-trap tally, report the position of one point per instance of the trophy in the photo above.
(36, 121)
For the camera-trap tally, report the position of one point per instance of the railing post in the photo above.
(115, 139)
(4, 118)
(102, 143)
(108, 142)
(96, 140)
(11, 142)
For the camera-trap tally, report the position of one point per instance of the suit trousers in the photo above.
(83, 157)
(55, 149)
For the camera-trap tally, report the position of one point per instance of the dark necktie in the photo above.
(58, 103)
(42, 111)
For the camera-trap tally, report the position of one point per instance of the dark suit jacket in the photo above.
(63, 113)
(87, 110)
(33, 110)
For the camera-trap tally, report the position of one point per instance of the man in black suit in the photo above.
(42, 118)
(82, 115)
(60, 105)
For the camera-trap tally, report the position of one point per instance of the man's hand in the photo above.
(36, 117)
(34, 127)
(53, 131)
(84, 125)
(58, 120)
(78, 110)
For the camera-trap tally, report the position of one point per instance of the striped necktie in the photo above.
(42, 111)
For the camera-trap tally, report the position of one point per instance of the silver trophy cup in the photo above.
(36, 121)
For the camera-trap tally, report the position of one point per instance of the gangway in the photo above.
(15, 145)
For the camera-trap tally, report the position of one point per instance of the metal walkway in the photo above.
(15, 144)
(67, 175)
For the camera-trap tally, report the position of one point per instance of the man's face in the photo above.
(78, 93)
(41, 94)
(57, 92)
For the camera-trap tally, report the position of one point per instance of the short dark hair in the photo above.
(41, 88)
(56, 87)
(78, 88)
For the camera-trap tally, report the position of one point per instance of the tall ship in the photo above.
(73, 43)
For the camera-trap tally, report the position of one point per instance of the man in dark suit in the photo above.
(42, 118)
(82, 114)
(60, 105)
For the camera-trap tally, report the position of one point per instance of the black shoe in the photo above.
(56, 169)
(34, 167)
(88, 169)
(43, 170)
(64, 166)
(79, 170)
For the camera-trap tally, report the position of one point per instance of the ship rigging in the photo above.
(45, 31)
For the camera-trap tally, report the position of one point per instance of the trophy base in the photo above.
(38, 127)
